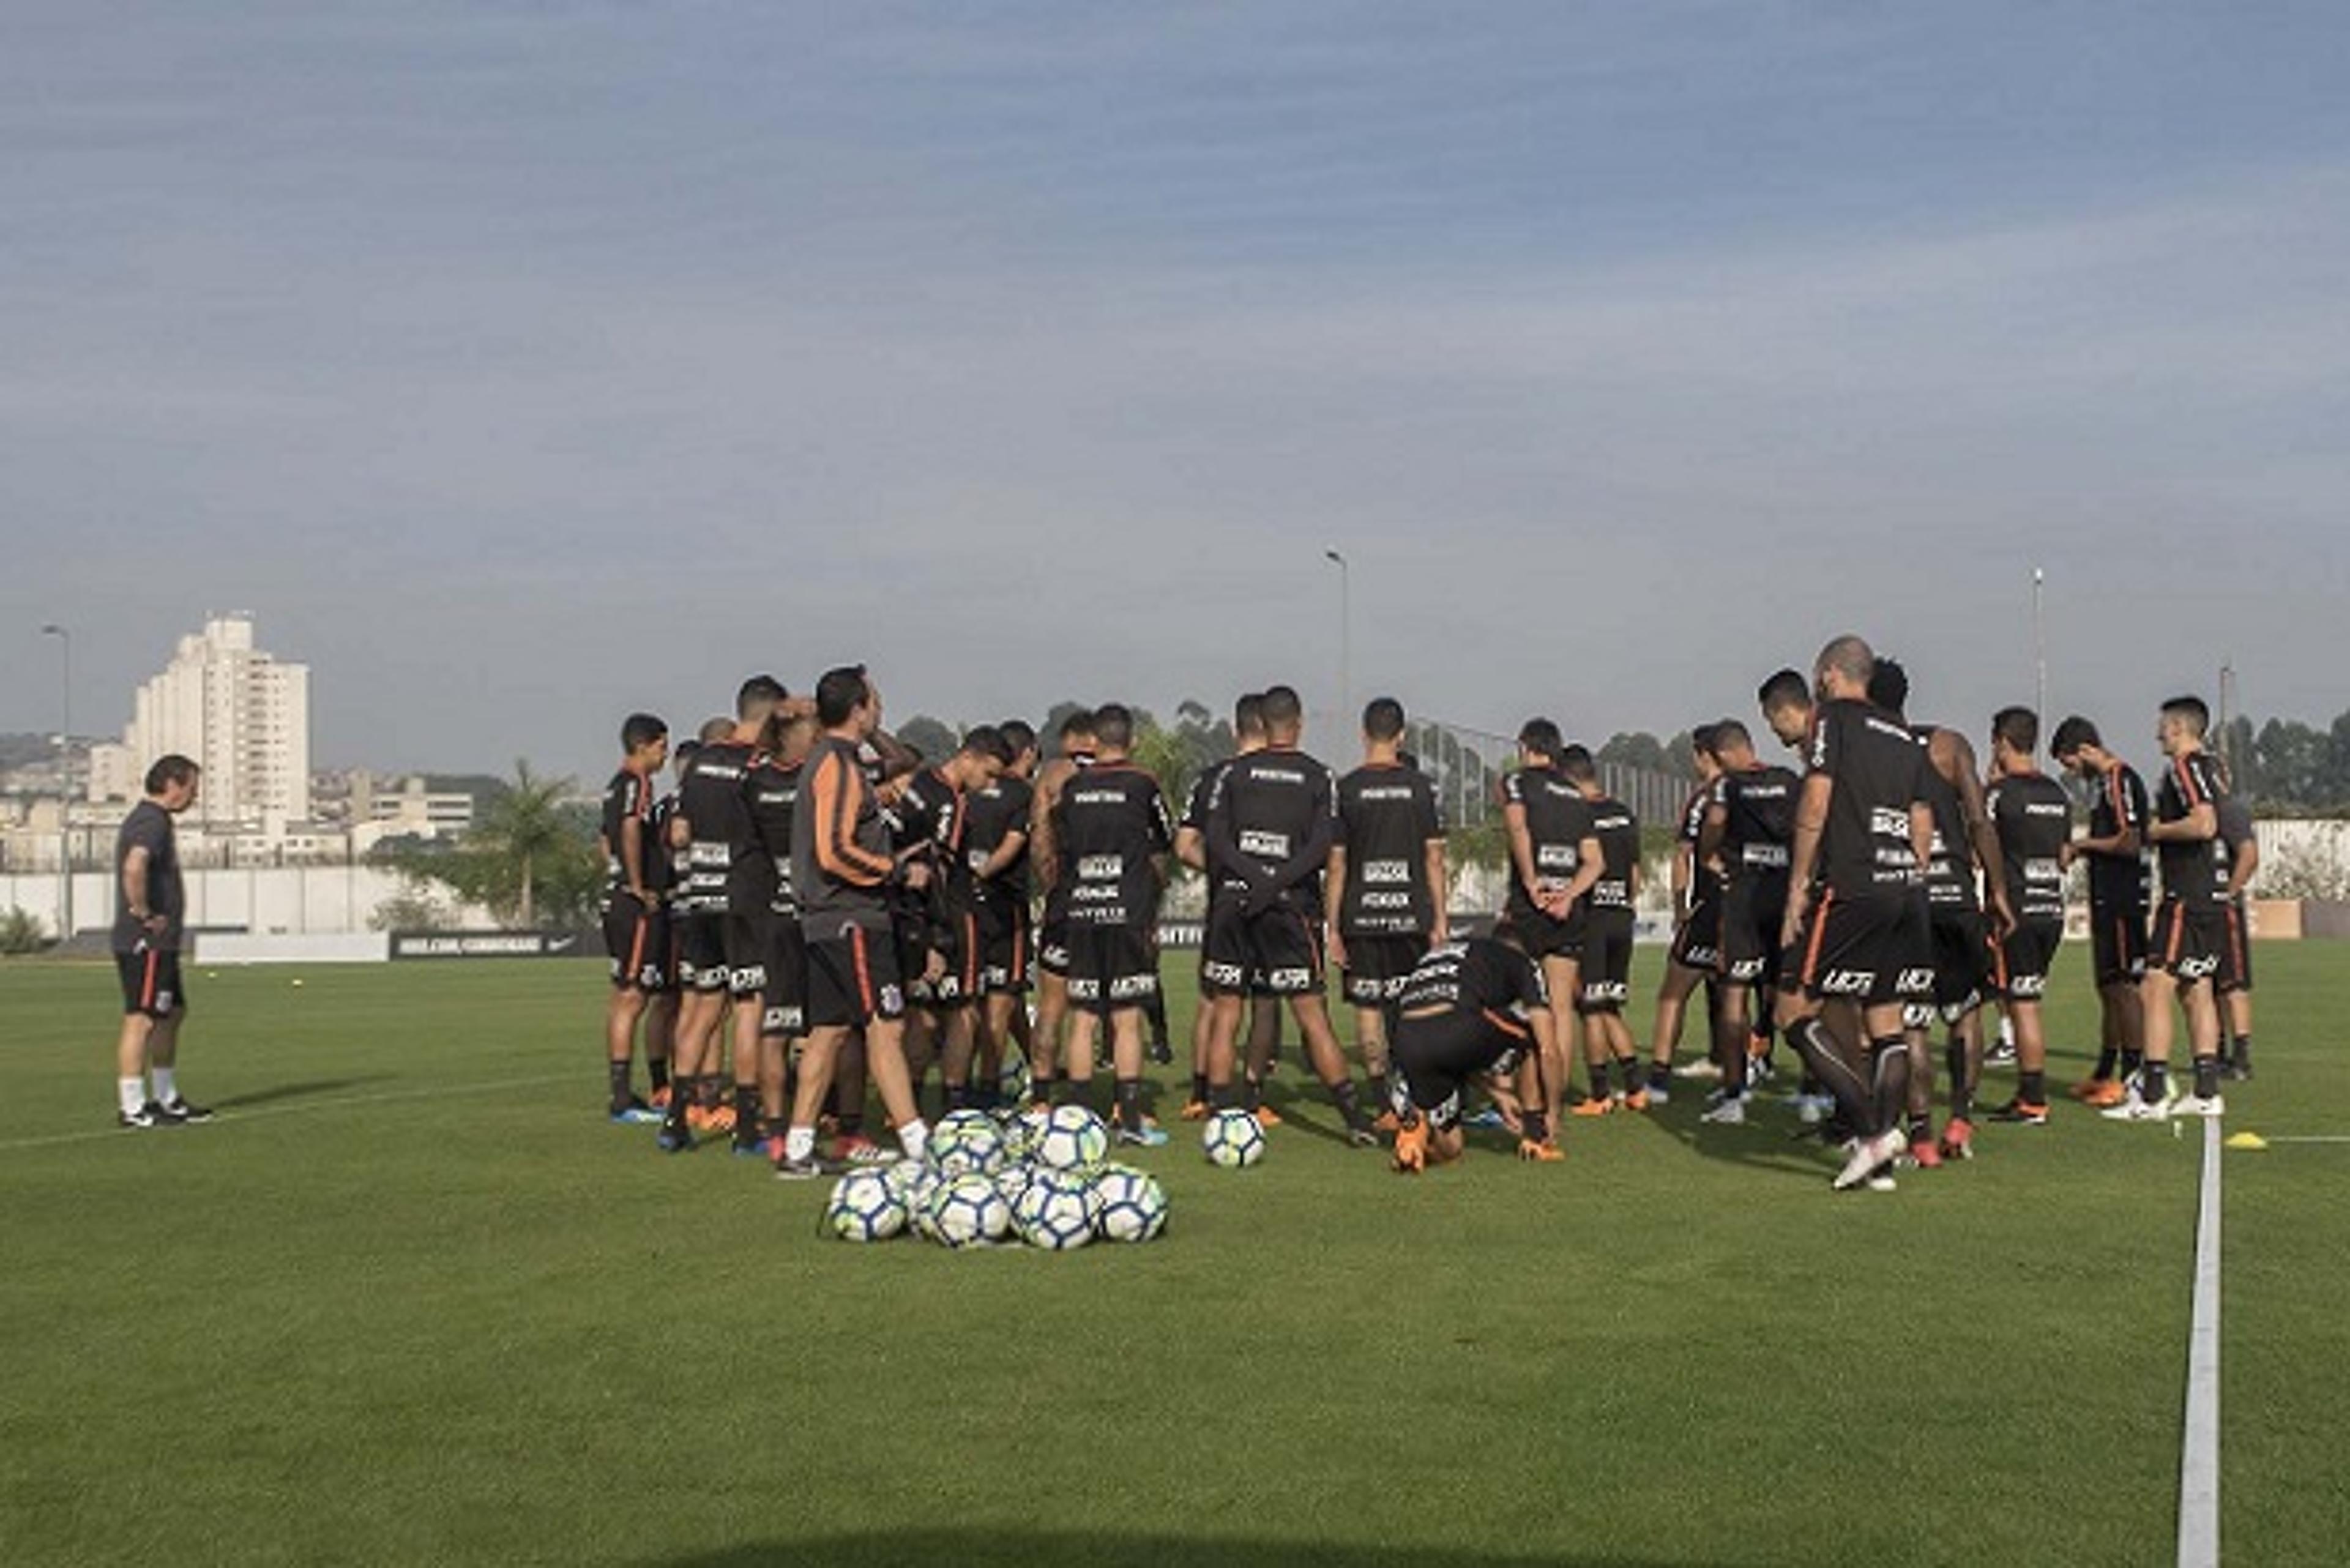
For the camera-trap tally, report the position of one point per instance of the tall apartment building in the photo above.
(242, 715)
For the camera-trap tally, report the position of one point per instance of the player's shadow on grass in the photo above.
(304, 1091)
(988, 1546)
(1766, 1142)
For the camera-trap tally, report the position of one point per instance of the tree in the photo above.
(933, 738)
(530, 856)
(1637, 749)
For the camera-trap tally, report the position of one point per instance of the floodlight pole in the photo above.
(64, 776)
(1346, 638)
(2039, 648)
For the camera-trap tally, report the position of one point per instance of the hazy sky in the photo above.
(521, 364)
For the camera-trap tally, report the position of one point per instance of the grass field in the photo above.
(411, 1300)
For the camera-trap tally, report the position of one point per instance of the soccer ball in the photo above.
(1075, 1139)
(963, 1143)
(914, 1184)
(1012, 1080)
(864, 1207)
(1013, 1180)
(967, 1211)
(1132, 1205)
(1020, 1134)
(1232, 1140)
(1056, 1212)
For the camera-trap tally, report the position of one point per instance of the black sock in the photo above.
(2154, 1083)
(1129, 1091)
(1349, 1101)
(618, 1071)
(656, 1068)
(2032, 1088)
(746, 1113)
(2207, 1076)
(851, 1124)
(1660, 1075)
(1068, 1091)
(708, 1094)
(1628, 1072)
(1154, 1008)
(1537, 1126)
(1381, 1093)
(1040, 1088)
(2243, 1057)
(2132, 1061)
(2108, 1062)
(958, 1095)
(1962, 1093)
(1252, 1093)
(1889, 1066)
(1198, 1089)
(1220, 1097)
(1920, 1128)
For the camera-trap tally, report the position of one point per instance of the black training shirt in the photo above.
(1386, 815)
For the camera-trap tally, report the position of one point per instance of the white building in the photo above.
(241, 714)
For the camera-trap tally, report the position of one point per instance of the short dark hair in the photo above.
(2073, 734)
(760, 690)
(2192, 710)
(1248, 714)
(640, 730)
(1705, 738)
(1787, 689)
(2019, 727)
(684, 752)
(987, 740)
(1077, 721)
(1019, 734)
(839, 693)
(1283, 709)
(1114, 725)
(1729, 735)
(1575, 763)
(1383, 719)
(1542, 737)
(170, 769)
(717, 729)
(1888, 685)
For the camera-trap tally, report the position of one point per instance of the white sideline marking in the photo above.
(2199, 1464)
(2329, 1137)
(229, 1117)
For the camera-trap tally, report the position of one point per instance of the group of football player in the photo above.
(821, 915)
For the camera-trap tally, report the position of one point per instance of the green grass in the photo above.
(411, 1300)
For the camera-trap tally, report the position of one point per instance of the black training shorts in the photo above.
(2191, 940)
(150, 982)
(852, 977)
(1111, 968)
(2117, 942)
(1606, 978)
(636, 936)
(2235, 953)
(1961, 960)
(1277, 953)
(2021, 963)
(1378, 965)
(1872, 949)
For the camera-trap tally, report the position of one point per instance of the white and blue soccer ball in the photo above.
(1021, 1133)
(968, 1212)
(1074, 1140)
(1232, 1140)
(1012, 1080)
(916, 1184)
(865, 1206)
(1011, 1181)
(1129, 1205)
(963, 1143)
(1056, 1212)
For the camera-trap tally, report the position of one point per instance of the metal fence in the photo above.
(1466, 766)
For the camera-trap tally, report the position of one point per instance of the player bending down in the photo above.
(1471, 1008)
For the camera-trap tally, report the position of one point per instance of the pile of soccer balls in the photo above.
(987, 1178)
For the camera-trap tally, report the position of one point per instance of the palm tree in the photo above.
(522, 830)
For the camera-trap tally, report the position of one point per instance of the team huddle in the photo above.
(824, 916)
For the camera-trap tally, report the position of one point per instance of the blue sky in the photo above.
(522, 364)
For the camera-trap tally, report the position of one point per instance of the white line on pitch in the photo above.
(2199, 1464)
(229, 1117)
(2288, 1138)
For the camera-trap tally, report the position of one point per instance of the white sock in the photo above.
(167, 1088)
(913, 1137)
(799, 1143)
(133, 1095)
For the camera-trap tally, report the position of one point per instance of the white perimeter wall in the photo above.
(270, 899)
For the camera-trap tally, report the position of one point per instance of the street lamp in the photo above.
(64, 777)
(1346, 638)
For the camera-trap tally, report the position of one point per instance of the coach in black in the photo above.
(148, 926)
